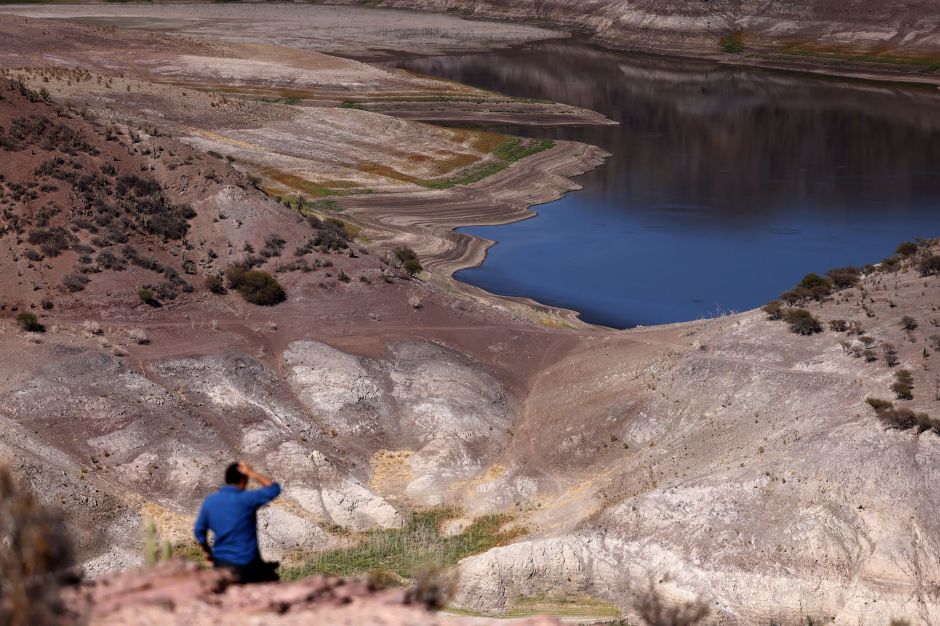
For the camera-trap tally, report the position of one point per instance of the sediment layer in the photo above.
(426, 220)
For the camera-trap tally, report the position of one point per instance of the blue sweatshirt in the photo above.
(230, 513)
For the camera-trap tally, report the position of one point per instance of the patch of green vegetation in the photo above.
(286, 99)
(30, 323)
(929, 63)
(318, 188)
(532, 101)
(323, 205)
(404, 552)
(349, 104)
(512, 150)
(255, 286)
(504, 152)
(515, 148)
(732, 43)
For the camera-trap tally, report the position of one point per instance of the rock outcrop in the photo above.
(679, 26)
(180, 593)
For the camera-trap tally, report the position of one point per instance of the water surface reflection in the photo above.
(726, 184)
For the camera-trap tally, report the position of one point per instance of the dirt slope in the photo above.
(680, 25)
(730, 459)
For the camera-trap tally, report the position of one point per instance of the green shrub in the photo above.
(408, 260)
(215, 285)
(906, 249)
(732, 43)
(929, 265)
(903, 386)
(903, 418)
(75, 282)
(844, 277)
(147, 297)
(878, 404)
(255, 286)
(802, 322)
(816, 286)
(890, 264)
(412, 267)
(793, 296)
(908, 323)
(52, 241)
(403, 253)
(774, 310)
(29, 322)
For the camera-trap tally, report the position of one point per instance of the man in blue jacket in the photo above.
(231, 514)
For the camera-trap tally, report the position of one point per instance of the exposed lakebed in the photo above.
(725, 187)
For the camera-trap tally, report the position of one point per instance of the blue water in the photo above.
(726, 185)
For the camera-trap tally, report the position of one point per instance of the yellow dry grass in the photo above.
(390, 471)
(313, 188)
(171, 526)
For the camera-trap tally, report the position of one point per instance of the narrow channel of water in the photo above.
(726, 186)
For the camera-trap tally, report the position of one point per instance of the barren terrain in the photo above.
(867, 38)
(729, 459)
(306, 125)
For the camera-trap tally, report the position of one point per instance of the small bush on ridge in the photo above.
(29, 322)
(802, 322)
(255, 286)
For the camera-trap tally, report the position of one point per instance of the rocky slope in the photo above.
(676, 25)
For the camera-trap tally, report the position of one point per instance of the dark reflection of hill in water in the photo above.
(716, 148)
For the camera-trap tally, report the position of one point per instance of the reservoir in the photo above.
(725, 187)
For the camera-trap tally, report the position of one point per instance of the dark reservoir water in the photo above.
(726, 185)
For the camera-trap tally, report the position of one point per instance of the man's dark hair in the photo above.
(233, 476)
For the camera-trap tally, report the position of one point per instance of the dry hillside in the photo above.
(780, 464)
(862, 36)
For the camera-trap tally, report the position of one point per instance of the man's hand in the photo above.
(208, 552)
(248, 471)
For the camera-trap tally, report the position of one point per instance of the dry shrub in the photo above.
(656, 612)
(35, 554)
(432, 587)
(138, 336)
(902, 418)
(801, 321)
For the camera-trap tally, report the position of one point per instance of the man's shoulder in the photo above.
(218, 494)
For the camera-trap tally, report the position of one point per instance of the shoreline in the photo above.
(427, 221)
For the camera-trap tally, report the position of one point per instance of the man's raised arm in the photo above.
(269, 489)
(249, 471)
